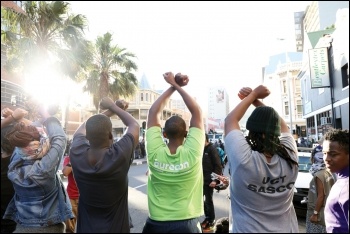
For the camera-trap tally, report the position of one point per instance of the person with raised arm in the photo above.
(263, 167)
(101, 169)
(175, 177)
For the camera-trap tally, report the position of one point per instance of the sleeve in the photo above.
(215, 160)
(50, 162)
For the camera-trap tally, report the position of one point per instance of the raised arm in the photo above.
(119, 108)
(157, 107)
(192, 105)
(245, 91)
(233, 118)
(14, 116)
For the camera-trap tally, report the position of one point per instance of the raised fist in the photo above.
(122, 104)
(181, 80)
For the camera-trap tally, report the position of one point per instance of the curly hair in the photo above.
(21, 135)
(340, 136)
(270, 144)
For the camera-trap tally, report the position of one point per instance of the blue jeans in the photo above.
(179, 226)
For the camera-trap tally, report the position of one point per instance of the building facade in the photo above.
(327, 105)
(322, 14)
(218, 108)
(286, 98)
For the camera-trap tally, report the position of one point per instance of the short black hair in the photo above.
(98, 128)
(175, 127)
(340, 136)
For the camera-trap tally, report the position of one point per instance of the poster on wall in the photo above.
(319, 69)
(220, 96)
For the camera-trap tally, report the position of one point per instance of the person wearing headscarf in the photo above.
(319, 189)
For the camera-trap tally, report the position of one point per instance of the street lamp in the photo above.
(288, 78)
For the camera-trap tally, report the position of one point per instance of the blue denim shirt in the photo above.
(40, 197)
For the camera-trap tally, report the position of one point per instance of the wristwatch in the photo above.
(315, 212)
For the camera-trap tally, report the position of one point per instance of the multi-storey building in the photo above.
(218, 108)
(299, 32)
(322, 14)
(326, 104)
(281, 77)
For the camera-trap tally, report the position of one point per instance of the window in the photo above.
(146, 97)
(345, 75)
(297, 86)
(299, 109)
(141, 97)
(284, 85)
(143, 113)
(286, 108)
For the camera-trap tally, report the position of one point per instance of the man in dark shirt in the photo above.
(101, 170)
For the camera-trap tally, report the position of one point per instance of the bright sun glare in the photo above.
(48, 87)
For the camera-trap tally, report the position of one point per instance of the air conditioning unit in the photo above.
(326, 120)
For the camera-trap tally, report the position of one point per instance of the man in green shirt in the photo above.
(175, 178)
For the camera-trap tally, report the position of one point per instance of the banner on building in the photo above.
(319, 69)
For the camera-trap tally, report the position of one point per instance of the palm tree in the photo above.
(45, 31)
(112, 71)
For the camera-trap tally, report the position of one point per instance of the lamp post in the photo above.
(288, 78)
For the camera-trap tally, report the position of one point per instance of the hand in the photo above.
(6, 112)
(19, 113)
(181, 80)
(106, 103)
(169, 77)
(261, 92)
(314, 218)
(244, 92)
(212, 184)
(122, 104)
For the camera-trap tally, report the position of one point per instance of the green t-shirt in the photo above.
(175, 181)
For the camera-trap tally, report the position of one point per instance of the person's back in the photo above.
(175, 178)
(263, 168)
(100, 170)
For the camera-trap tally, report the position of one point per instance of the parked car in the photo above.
(301, 186)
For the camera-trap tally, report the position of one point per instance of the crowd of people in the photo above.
(263, 169)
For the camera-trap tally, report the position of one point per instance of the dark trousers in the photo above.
(179, 226)
(208, 203)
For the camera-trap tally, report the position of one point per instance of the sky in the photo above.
(216, 43)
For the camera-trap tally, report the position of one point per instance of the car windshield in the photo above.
(304, 164)
(218, 136)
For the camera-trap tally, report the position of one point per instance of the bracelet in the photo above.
(13, 118)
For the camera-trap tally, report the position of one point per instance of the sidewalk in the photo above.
(139, 161)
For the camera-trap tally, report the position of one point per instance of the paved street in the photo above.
(138, 199)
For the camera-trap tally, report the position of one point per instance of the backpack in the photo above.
(222, 155)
